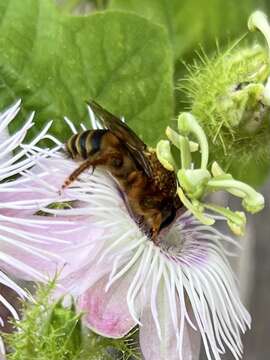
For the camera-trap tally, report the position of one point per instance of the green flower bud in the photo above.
(229, 94)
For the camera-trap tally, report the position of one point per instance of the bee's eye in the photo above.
(116, 162)
(168, 213)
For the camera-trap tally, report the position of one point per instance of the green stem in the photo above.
(235, 220)
(185, 153)
(219, 174)
(253, 201)
(227, 213)
(195, 209)
(232, 184)
(183, 144)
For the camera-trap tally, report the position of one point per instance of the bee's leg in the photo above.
(84, 166)
(76, 173)
(103, 159)
(156, 222)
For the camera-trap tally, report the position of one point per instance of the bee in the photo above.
(148, 188)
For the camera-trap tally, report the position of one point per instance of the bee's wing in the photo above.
(134, 144)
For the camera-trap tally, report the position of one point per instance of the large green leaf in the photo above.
(194, 23)
(191, 23)
(56, 62)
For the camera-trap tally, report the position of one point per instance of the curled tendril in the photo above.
(195, 184)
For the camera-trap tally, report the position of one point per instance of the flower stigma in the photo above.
(195, 184)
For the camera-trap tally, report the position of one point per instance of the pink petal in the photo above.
(107, 312)
(166, 348)
(84, 275)
(73, 243)
(41, 185)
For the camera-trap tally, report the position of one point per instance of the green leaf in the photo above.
(56, 62)
(191, 23)
(48, 330)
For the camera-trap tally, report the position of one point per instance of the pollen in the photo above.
(165, 180)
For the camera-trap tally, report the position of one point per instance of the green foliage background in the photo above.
(49, 330)
(56, 62)
(129, 57)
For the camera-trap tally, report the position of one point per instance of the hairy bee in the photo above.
(149, 189)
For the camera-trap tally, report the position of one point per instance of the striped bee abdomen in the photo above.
(84, 144)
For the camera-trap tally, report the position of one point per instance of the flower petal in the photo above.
(37, 188)
(43, 245)
(165, 346)
(107, 312)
